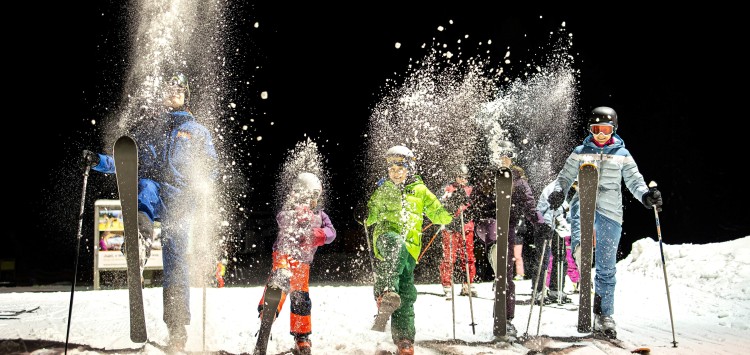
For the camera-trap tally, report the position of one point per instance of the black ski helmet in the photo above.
(603, 115)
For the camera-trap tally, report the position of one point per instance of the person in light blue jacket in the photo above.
(606, 149)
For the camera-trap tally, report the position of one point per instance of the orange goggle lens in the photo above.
(602, 129)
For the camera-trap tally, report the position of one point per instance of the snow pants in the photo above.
(396, 273)
(608, 233)
(300, 323)
(455, 249)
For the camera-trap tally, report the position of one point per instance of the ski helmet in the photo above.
(462, 170)
(401, 155)
(603, 115)
(180, 80)
(308, 184)
(507, 148)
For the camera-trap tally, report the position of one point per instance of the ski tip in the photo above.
(641, 350)
(587, 164)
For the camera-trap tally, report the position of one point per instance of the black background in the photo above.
(674, 76)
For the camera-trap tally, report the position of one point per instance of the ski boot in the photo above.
(466, 289)
(405, 347)
(447, 292)
(177, 337)
(303, 345)
(605, 326)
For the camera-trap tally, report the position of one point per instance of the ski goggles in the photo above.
(397, 161)
(604, 129)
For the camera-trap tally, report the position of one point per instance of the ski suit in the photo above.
(455, 246)
(176, 160)
(301, 232)
(397, 211)
(615, 166)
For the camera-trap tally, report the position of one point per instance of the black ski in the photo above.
(588, 186)
(503, 191)
(126, 167)
(271, 299)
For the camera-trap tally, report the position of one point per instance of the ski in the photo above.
(126, 167)
(503, 191)
(271, 299)
(588, 186)
(19, 312)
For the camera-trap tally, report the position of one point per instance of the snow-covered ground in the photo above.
(708, 286)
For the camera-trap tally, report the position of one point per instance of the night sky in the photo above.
(671, 78)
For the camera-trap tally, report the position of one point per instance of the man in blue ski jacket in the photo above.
(177, 159)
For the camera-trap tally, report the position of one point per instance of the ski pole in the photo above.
(468, 274)
(536, 284)
(453, 295)
(369, 249)
(428, 245)
(652, 185)
(546, 260)
(78, 251)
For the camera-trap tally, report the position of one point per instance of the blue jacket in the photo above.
(615, 166)
(174, 154)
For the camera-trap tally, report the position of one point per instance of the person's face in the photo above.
(505, 162)
(462, 179)
(397, 173)
(602, 133)
(174, 96)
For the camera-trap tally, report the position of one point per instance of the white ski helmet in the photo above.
(308, 183)
(462, 170)
(401, 155)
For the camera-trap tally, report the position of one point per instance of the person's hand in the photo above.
(544, 231)
(652, 199)
(555, 199)
(319, 237)
(90, 158)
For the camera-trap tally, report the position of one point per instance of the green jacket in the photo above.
(401, 211)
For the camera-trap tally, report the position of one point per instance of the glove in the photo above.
(90, 158)
(319, 237)
(555, 199)
(652, 199)
(577, 256)
(544, 231)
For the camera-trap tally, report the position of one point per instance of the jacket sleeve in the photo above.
(434, 210)
(633, 178)
(106, 164)
(327, 228)
(528, 205)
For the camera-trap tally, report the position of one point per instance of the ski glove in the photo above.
(90, 158)
(319, 237)
(544, 231)
(555, 199)
(652, 199)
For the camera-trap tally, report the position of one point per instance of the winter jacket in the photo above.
(522, 201)
(175, 153)
(615, 165)
(456, 199)
(401, 210)
(296, 236)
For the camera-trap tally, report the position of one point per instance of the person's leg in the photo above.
(472, 261)
(402, 320)
(386, 271)
(518, 260)
(449, 254)
(176, 287)
(300, 323)
(608, 235)
(572, 268)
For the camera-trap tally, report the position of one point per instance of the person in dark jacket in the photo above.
(523, 205)
(177, 160)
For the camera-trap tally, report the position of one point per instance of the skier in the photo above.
(303, 227)
(522, 206)
(558, 219)
(176, 154)
(455, 249)
(396, 208)
(607, 150)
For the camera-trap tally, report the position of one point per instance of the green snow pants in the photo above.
(396, 273)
